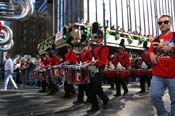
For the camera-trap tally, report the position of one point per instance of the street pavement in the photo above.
(26, 101)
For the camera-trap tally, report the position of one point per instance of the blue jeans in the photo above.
(8, 76)
(158, 87)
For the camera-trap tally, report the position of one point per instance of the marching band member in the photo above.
(101, 54)
(55, 59)
(52, 86)
(110, 72)
(85, 58)
(123, 59)
(148, 65)
(46, 64)
(70, 58)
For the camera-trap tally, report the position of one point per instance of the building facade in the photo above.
(130, 15)
(34, 30)
(27, 34)
(68, 11)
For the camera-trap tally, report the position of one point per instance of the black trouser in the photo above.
(51, 82)
(81, 89)
(144, 79)
(110, 81)
(96, 88)
(18, 76)
(44, 85)
(69, 88)
(52, 86)
(119, 82)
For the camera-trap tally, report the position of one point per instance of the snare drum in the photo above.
(57, 71)
(137, 72)
(110, 73)
(67, 72)
(49, 73)
(123, 74)
(92, 70)
(41, 74)
(79, 75)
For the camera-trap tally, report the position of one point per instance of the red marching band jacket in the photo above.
(47, 62)
(101, 54)
(55, 60)
(165, 66)
(86, 56)
(71, 57)
(123, 59)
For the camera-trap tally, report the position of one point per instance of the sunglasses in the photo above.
(163, 22)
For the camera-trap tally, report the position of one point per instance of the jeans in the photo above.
(158, 87)
(31, 79)
(8, 76)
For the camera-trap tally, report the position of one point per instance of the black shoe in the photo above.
(66, 96)
(78, 102)
(87, 101)
(142, 91)
(117, 95)
(105, 106)
(42, 91)
(169, 114)
(125, 93)
(105, 101)
(111, 88)
(52, 93)
(93, 109)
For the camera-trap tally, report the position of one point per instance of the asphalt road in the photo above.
(26, 101)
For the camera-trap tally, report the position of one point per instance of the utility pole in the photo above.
(53, 31)
(104, 23)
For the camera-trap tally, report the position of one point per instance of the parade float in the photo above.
(78, 32)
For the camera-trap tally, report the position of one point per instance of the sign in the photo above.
(59, 35)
